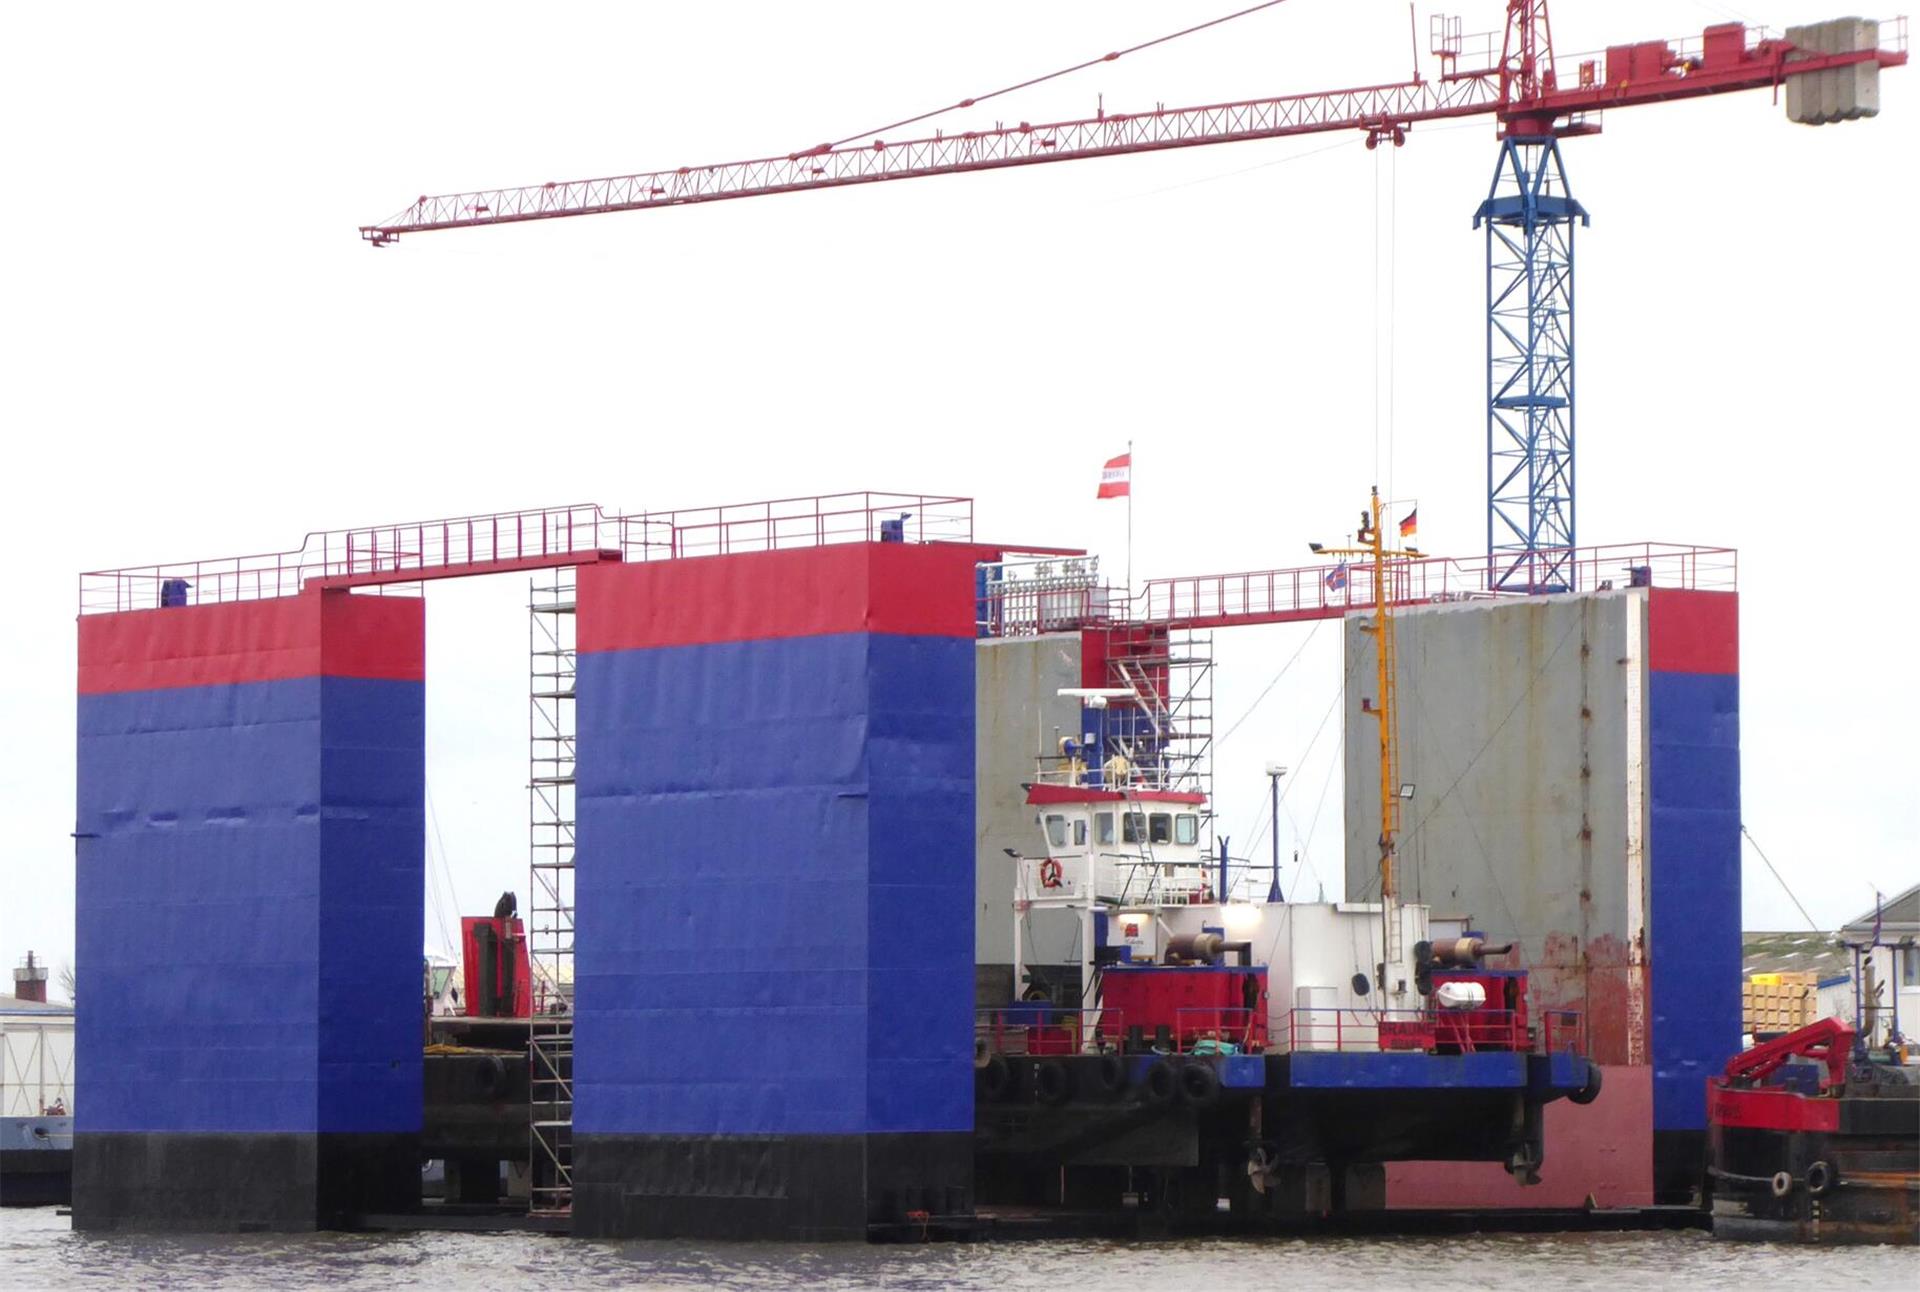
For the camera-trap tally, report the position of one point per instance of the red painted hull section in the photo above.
(1600, 1155)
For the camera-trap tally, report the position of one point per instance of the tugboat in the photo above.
(36, 1092)
(1225, 1062)
(1813, 1139)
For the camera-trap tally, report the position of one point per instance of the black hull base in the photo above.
(239, 1183)
(1176, 1148)
(1816, 1187)
(36, 1177)
(801, 1188)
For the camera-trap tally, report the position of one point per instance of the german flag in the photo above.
(1410, 524)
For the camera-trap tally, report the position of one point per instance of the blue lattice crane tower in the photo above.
(1530, 217)
(1830, 72)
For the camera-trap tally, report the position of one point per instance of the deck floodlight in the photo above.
(1315, 547)
(1406, 790)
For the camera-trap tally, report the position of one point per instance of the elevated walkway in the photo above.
(397, 558)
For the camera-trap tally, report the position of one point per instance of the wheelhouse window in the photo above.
(1057, 831)
(1133, 828)
(1160, 827)
(1103, 829)
(1079, 832)
(1910, 967)
(1186, 828)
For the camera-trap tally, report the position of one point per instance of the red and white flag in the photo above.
(1116, 478)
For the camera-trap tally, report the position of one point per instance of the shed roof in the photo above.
(1898, 915)
(1816, 953)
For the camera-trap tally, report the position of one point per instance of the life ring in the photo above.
(1819, 1179)
(1050, 876)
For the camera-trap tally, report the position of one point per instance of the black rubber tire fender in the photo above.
(1052, 1083)
(996, 1079)
(1200, 1084)
(490, 1076)
(1782, 1184)
(1163, 1083)
(1591, 1091)
(1819, 1179)
(1110, 1074)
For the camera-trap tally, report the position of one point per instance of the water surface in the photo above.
(38, 1249)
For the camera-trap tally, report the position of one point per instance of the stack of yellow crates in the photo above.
(1779, 1002)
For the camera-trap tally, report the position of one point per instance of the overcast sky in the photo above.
(203, 358)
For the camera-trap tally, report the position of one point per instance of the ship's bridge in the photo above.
(1118, 846)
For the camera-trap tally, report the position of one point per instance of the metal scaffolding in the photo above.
(550, 816)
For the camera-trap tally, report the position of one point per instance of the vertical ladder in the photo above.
(1190, 718)
(550, 816)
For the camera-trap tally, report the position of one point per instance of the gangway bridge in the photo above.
(1048, 587)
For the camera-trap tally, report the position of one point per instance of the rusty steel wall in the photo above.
(1522, 731)
(1018, 708)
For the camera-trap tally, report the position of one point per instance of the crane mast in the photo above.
(1371, 546)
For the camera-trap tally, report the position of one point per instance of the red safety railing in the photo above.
(396, 558)
(1469, 1031)
(811, 522)
(1563, 1031)
(1343, 1029)
(1046, 1031)
(1210, 1027)
(1466, 1031)
(1329, 591)
(1062, 597)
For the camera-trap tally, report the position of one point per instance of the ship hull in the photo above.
(1847, 1186)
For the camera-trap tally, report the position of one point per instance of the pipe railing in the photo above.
(385, 558)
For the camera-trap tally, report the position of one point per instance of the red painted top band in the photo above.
(894, 588)
(312, 635)
(1044, 794)
(1693, 632)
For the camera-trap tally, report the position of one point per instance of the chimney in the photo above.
(30, 980)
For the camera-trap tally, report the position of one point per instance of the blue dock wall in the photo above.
(249, 891)
(1693, 885)
(775, 850)
(774, 975)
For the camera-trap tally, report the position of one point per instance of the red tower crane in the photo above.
(1829, 71)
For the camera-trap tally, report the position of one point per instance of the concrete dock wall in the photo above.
(1575, 764)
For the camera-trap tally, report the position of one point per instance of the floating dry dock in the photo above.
(797, 740)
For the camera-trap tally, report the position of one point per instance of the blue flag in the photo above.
(1337, 577)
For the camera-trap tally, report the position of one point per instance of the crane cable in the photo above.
(1268, 690)
(1050, 76)
(1779, 878)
